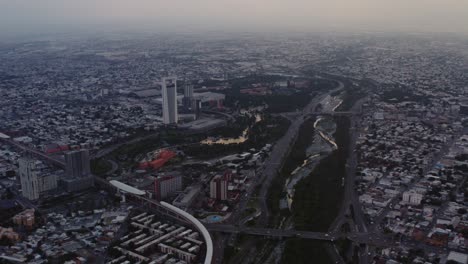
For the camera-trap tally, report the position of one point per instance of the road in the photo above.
(279, 153)
(272, 232)
(103, 152)
(39, 154)
(273, 164)
(378, 220)
(349, 196)
(373, 239)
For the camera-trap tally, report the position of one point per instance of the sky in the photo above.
(37, 16)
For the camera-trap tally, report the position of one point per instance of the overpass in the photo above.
(161, 207)
(322, 113)
(333, 113)
(368, 238)
(272, 232)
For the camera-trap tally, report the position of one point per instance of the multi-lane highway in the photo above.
(39, 154)
(279, 152)
(272, 232)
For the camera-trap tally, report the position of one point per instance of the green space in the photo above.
(281, 99)
(296, 157)
(127, 153)
(276, 103)
(350, 96)
(268, 130)
(318, 197)
(247, 212)
(100, 166)
(344, 245)
(317, 200)
(300, 251)
(245, 244)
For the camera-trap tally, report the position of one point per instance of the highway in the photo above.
(356, 219)
(39, 154)
(279, 152)
(272, 166)
(360, 233)
(271, 232)
(373, 239)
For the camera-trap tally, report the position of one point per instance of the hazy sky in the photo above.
(22, 16)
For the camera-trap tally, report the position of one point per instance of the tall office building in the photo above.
(35, 179)
(167, 185)
(219, 187)
(188, 96)
(169, 97)
(78, 171)
(77, 164)
(188, 90)
(28, 178)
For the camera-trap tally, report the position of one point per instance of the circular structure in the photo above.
(199, 226)
(214, 218)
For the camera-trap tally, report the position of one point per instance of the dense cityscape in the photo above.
(246, 148)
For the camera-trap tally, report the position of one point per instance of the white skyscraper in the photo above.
(35, 179)
(169, 97)
(28, 178)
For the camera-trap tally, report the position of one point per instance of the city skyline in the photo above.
(20, 18)
(227, 132)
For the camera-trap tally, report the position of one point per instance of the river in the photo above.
(322, 145)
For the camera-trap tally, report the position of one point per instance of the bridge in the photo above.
(160, 207)
(272, 232)
(322, 113)
(334, 113)
(374, 239)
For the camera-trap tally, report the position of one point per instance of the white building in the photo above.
(33, 180)
(28, 178)
(412, 197)
(457, 257)
(167, 185)
(169, 98)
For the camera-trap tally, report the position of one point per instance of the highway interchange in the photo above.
(361, 233)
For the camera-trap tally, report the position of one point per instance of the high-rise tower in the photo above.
(35, 178)
(78, 171)
(169, 97)
(28, 178)
(188, 96)
(78, 164)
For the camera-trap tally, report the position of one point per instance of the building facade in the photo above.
(167, 185)
(412, 197)
(78, 171)
(188, 97)
(219, 188)
(77, 164)
(28, 177)
(169, 97)
(25, 218)
(35, 180)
